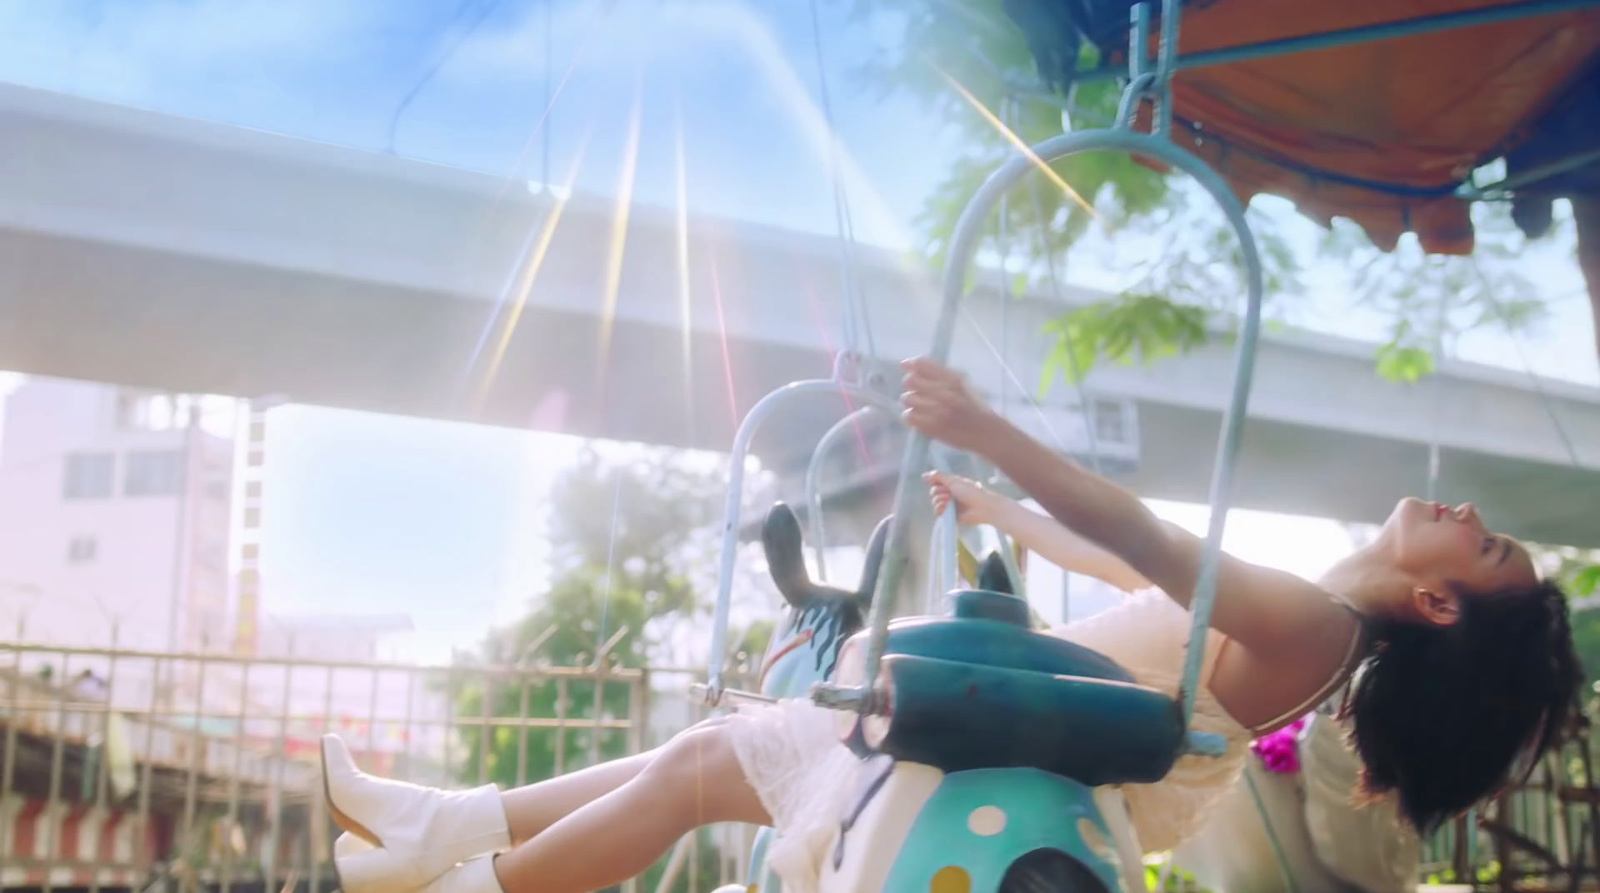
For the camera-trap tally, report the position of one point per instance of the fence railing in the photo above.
(127, 770)
(1537, 835)
(123, 769)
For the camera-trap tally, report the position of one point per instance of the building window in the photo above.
(89, 475)
(213, 556)
(81, 549)
(154, 473)
(1110, 422)
(131, 410)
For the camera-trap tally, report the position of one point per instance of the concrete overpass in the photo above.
(171, 253)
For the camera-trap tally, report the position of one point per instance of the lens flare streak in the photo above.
(685, 302)
(722, 332)
(619, 230)
(533, 261)
(499, 198)
(1015, 140)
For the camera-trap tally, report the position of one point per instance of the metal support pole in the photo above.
(968, 230)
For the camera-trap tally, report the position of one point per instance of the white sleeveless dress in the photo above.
(791, 755)
(1329, 842)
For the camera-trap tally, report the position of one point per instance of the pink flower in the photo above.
(1280, 751)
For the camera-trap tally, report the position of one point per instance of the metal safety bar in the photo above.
(814, 497)
(866, 399)
(964, 245)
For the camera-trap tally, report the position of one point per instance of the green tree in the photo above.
(1578, 572)
(630, 537)
(961, 59)
(633, 536)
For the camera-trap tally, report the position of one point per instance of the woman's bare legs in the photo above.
(611, 822)
(532, 808)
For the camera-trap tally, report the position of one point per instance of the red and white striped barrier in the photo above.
(73, 844)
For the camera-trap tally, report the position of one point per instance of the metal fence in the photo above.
(127, 769)
(1539, 835)
(132, 770)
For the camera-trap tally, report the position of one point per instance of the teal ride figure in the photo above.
(993, 765)
(804, 649)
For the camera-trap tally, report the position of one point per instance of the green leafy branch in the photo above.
(1432, 300)
(1185, 254)
(1124, 329)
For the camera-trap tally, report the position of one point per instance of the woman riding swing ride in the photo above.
(969, 753)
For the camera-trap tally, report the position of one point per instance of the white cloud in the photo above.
(125, 51)
(613, 35)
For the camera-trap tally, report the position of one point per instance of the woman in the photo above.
(1451, 623)
(1331, 841)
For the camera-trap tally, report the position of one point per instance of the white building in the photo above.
(114, 510)
(336, 638)
(119, 508)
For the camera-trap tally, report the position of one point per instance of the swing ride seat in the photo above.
(978, 689)
(1384, 132)
(1384, 127)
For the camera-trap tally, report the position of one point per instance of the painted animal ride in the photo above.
(804, 649)
(984, 761)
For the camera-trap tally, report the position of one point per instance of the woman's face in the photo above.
(1450, 548)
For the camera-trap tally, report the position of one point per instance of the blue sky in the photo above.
(742, 74)
(370, 513)
(352, 524)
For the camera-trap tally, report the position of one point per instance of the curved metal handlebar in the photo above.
(733, 511)
(963, 247)
(814, 483)
(945, 550)
(945, 530)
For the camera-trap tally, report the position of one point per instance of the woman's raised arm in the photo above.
(1039, 534)
(1267, 611)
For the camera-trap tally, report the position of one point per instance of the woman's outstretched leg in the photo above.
(403, 836)
(693, 780)
(532, 808)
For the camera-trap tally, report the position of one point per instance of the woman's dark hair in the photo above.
(1442, 714)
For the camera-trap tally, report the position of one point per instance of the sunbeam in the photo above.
(619, 229)
(722, 332)
(1015, 140)
(533, 262)
(685, 303)
(494, 206)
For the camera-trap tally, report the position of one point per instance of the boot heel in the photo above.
(339, 818)
(419, 833)
(369, 871)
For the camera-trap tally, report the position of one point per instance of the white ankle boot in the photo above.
(476, 876)
(419, 833)
(351, 859)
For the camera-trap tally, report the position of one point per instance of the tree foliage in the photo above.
(1183, 281)
(1578, 573)
(632, 541)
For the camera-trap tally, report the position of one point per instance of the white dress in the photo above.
(1370, 846)
(1329, 842)
(791, 755)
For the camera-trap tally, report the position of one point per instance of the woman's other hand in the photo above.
(974, 504)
